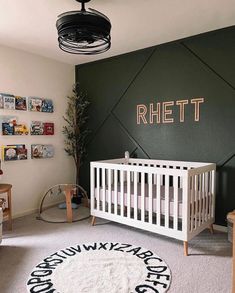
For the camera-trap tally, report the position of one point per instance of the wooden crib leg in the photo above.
(211, 228)
(93, 221)
(185, 248)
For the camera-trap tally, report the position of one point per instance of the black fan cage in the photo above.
(84, 33)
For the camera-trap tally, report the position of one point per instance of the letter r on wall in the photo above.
(141, 112)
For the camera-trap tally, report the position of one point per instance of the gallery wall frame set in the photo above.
(35, 104)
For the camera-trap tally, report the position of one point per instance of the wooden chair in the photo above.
(7, 213)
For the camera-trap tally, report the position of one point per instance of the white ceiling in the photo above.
(29, 25)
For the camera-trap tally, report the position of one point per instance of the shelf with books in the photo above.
(35, 104)
(10, 126)
(14, 152)
(42, 151)
(41, 105)
(41, 128)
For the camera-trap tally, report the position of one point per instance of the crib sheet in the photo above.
(146, 197)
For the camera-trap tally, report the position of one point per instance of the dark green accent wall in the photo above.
(200, 66)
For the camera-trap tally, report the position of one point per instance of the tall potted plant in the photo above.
(75, 130)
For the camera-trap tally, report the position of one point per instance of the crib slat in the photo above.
(161, 177)
(115, 191)
(109, 190)
(142, 196)
(167, 201)
(98, 187)
(150, 185)
(196, 199)
(128, 194)
(210, 192)
(154, 176)
(122, 193)
(200, 200)
(135, 196)
(180, 178)
(203, 197)
(176, 199)
(92, 188)
(206, 194)
(209, 195)
(104, 189)
(213, 194)
(192, 202)
(158, 200)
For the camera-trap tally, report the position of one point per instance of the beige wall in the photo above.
(26, 74)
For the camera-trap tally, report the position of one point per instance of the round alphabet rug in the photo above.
(101, 267)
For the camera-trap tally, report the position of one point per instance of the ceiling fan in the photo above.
(84, 31)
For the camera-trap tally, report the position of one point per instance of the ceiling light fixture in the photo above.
(84, 32)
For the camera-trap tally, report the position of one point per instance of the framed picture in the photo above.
(1, 102)
(47, 106)
(42, 151)
(37, 128)
(20, 103)
(9, 123)
(35, 104)
(48, 128)
(21, 129)
(7, 128)
(14, 152)
(8, 102)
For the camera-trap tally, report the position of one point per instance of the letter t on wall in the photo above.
(197, 102)
(182, 103)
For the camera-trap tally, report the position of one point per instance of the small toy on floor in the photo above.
(63, 205)
(2, 203)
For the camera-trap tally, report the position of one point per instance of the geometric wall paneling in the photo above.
(139, 153)
(198, 67)
(97, 80)
(172, 74)
(175, 74)
(210, 49)
(106, 145)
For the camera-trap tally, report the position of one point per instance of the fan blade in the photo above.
(69, 13)
(99, 13)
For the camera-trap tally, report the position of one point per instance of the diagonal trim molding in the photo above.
(130, 136)
(121, 96)
(207, 65)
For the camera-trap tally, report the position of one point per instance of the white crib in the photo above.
(172, 198)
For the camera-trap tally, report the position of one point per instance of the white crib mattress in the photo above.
(146, 198)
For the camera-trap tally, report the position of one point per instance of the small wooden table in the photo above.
(231, 217)
(7, 213)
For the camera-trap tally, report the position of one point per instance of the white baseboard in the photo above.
(33, 211)
(25, 213)
(220, 228)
